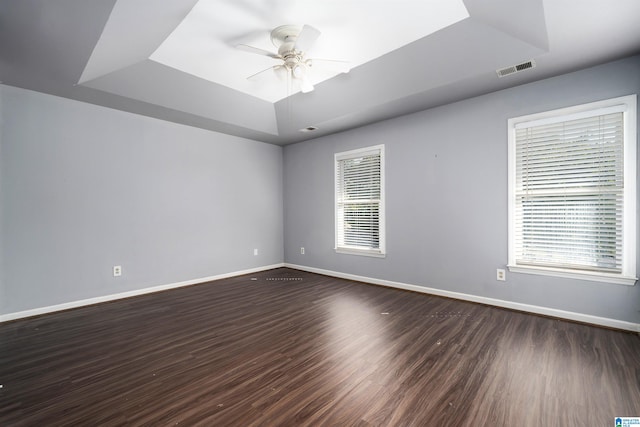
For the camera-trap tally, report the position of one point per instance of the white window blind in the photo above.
(569, 194)
(360, 201)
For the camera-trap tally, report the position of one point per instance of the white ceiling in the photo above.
(176, 59)
(204, 43)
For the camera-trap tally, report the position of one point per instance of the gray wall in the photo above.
(84, 188)
(446, 181)
(2, 286)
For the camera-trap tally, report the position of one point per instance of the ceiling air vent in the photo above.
(516, 68)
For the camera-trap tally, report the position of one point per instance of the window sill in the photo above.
(586, 275)
(361, 252)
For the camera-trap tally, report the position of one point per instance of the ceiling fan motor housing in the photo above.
(292, 41)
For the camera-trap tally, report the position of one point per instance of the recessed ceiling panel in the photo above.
(126, 40)
(167, 87)
(204, 44)
(177, 60)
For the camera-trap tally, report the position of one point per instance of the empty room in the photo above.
(330, 213)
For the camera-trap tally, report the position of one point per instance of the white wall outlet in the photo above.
(255, 252)
(117, 271)
(302, 251)
(501, 275)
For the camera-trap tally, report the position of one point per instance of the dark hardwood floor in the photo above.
(294, 348)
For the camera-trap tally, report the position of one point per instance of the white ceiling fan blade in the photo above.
(258, 51)
(281, 72)
(253, 76)
(307, 37)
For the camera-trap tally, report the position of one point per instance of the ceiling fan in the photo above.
(293, 43)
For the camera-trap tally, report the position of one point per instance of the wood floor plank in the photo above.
(285, 347)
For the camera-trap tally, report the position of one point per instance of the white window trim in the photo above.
(629, 108)
(381, 251)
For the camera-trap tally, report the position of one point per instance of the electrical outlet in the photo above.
(255, 252)
(501, 275)
(117, 271)
(302, 251)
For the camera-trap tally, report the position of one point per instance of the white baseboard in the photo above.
(128, 294)
(569, 315)
(579, 317)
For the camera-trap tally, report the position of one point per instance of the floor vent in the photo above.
(516, 68)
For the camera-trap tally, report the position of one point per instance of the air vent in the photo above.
(516, 68)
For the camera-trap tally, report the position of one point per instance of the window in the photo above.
(360, 201)
(572, 192)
